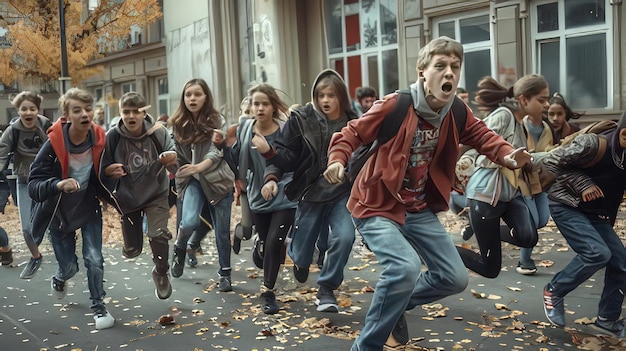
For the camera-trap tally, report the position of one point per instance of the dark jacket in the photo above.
(589, 160)
(62, 211)
(302, 149)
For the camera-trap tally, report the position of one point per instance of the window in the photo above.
(571, 46)
(128, 87)
(363, 42)
(473, 31)
(163, 97)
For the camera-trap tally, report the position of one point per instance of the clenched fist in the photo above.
(335, 173)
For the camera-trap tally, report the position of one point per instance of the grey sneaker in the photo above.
(526, 268)
(614, 328)
(326, 301)
(58, 288)
(225, 284)
(31, 267)
(554, 307)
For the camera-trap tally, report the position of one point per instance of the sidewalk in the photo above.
(502, 313)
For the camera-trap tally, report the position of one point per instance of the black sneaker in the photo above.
(400, 331)
(467, 232)
(301, 273)
(270, 306)
(6, 257)
(326, 301)
(163, 288)
(257, 253)
(31, 267)
(225, 284)
(58, 288)
(606, 327)
(554, 307)
(192, 259)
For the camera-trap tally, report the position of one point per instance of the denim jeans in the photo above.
(64, 245)
(402, 285)
(540, 213)
(193, 201)
(597, 246)
(312, 217)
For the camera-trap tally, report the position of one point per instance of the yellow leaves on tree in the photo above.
(33, 35)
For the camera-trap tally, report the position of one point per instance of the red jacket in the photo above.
(376, 189)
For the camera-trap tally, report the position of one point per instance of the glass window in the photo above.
(548, 66)
(479, 63)
(162, 86)
(547, 17)
(586, 71)
(447, 29)
(128, 87)
(334, 32)
(474, 29)
(579, 13)
(362, 42)
(574, 52)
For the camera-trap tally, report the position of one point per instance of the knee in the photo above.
(598, 257)
(455, 282)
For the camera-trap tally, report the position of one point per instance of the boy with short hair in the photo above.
(365, 97)
(136, 153)
(64, 183)
(399, 190)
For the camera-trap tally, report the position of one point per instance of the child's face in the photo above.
(28, 114)
(535, 106)
(262, 107)
(441, 78)
(622, 138)
(79, 114)
(132, 118)
(366, 103)
(328, 101)
(194, 98)
(556, 116)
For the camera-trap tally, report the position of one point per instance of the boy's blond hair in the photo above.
(439, 46)
(74, 94)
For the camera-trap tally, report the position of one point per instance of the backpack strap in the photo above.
(459, 112)
(392, 122)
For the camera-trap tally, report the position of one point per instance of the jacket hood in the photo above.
(342, 92)
(17, 124)
(617, 153)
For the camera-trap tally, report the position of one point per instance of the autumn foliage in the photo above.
(34, 36)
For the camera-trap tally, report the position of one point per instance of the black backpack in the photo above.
(390, 127)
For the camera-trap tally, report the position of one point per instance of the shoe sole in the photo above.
(524, 271)
(328, 307)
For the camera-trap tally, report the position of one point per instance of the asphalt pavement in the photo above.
(491, 314)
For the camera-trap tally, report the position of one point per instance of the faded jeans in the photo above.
(597, 246)
(193, 201)
(312, 218)
(402, 285)
(64, 245)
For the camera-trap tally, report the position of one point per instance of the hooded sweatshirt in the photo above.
(25, 148)
(302, 149)
(146, 180)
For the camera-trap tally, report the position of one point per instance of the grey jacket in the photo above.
(25, 148)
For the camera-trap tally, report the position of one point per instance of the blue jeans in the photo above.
(402, 285)
(193, 201)
(597, 246)
(312, 217)
(540, 213)
(64, 245)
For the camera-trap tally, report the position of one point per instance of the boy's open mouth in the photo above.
(447, 87)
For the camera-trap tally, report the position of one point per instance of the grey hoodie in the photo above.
(24, 149)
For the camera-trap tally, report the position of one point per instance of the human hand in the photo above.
(335, 173)
(592, 193)
(518, 158)
(167, 158)
(68, 185)
(187, 170)
(218, 137)
(115, 170)
(259, 143)
(269, 190)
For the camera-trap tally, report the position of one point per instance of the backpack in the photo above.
(390, 127)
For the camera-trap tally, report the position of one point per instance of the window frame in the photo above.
(561, 35)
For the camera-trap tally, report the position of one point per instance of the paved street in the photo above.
(502, 313)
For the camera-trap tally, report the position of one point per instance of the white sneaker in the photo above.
(103, 320)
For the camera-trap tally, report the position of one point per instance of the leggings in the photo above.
(485, 220)
(272, 228)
